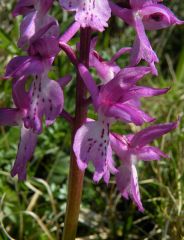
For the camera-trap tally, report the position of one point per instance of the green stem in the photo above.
(75, 184)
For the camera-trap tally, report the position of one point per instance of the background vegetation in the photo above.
(35, 209)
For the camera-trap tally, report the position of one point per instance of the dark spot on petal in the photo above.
(102, 134)
(156, 17)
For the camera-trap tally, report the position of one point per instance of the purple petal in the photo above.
(15, 64)
(20, 96)
(90, 84)
(11, 117)
(123, 179)
(135, 194)
(64, 80)
(149, 153)
(124, 79)
(49, 30)
(91, 143)
(123, 13)
(70, 32)
(129, 114)
(20, 67)
(149, 134)
(158, 16)
(24, 7)
(127, 184)
(141, 91)
(120, 146)
(44, 6)
(33, 26)
(142, 48)
(26, 148)
(138, 4)
(119, 54)
(106, 70)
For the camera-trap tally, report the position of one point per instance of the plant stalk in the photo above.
(75, 183)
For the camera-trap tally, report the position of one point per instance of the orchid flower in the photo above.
(145, 15)
(44, 98)
(133, 148)
(120, 105)
(36, 22)
(92, 139)
(106, 69)
(94, 14)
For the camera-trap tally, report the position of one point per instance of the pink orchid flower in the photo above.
(145, 15)
(133, 148)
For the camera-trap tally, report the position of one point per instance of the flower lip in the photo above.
(94, 14)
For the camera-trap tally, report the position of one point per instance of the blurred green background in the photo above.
(34, 210)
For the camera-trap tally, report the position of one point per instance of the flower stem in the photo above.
(75, 184)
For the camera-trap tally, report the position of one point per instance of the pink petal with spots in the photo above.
(46, 100)
(89, 13)
(46, 47)
(91, 144)
(109, 168)
(26, 149)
